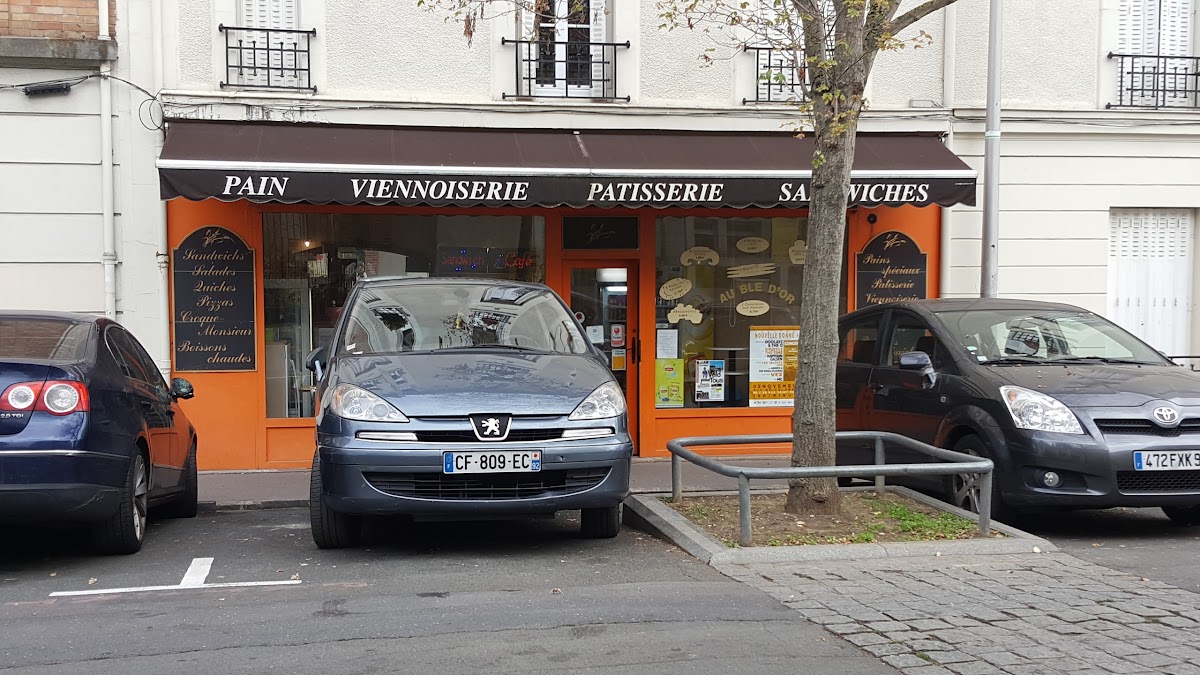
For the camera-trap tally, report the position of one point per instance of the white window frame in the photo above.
(558, 24)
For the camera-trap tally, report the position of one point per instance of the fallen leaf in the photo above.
(1097, 545)
(1036, 549)
(296, 576)
(1145, 579)
(91, 581)
(556, 591)
(54, 574)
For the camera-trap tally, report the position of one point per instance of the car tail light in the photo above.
(57, 397)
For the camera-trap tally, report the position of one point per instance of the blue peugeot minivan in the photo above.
(464, 398)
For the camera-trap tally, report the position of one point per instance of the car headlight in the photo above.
(1039, 412)
(354, 403)
(606, 401)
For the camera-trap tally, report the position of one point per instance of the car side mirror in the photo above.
(919, 361)
(181, 388)
(317, 360)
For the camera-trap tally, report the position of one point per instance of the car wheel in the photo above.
(1183, 515)
(601, 523)
(330, 529)
(125, 530)
(963, 488)
(187, 503)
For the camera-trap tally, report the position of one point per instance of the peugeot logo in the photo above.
(1165, 416)
(491, 427)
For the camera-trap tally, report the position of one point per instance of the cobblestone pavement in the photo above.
(1019, 614)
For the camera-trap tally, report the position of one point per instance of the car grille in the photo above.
(468, 436)
(1158, 481)
(1148, 428)
(487, 486)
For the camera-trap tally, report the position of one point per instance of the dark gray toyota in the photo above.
(1074, 411)
(464, 399)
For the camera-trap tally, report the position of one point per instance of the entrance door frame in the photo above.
(633, 320)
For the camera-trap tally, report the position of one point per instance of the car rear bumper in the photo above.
(60, 485)
(411, 482)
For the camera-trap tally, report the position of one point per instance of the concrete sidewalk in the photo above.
(277, 488)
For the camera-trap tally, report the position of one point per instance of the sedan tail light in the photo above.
(57, 397)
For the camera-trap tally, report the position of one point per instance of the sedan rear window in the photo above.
(430, 317)
(43, 339)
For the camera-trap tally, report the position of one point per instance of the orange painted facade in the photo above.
(229, 410)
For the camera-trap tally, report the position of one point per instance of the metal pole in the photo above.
(676, 479)
(985, 504)
(880, 480)
(988, 265)
(744, 509)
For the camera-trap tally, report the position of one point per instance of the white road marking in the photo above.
(197, 572)
(193, 579)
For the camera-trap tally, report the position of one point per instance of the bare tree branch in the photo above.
(917, 13)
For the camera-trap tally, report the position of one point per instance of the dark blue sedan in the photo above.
(467, 399)
(89, 430)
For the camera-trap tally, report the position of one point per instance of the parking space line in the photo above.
(197, 572)
(193, 579)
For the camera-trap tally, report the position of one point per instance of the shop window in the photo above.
(312, 261)
(727, 310)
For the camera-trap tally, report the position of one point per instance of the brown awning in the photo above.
(406, 166)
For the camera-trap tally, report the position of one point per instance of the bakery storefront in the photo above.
(682, 254)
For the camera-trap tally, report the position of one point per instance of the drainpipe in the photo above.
(949, 40)
(109, 256)
(160, 209)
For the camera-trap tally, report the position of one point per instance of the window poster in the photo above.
(710, 380)
(773, 358)
(668, 383)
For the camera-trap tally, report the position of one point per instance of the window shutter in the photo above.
(601, 71)
(1150, 275)
(1175, 33)
(528, 52)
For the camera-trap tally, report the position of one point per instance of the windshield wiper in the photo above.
(494, 345)
(1101, 359)
(1010, 360)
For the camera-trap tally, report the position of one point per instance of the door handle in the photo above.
(634, 343)
(876, 387)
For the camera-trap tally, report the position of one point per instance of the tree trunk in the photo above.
(814, 420)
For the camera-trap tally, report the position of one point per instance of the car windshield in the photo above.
(429, 317)
(43, 339)
(1040, 336)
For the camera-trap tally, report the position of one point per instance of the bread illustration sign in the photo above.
(673, 289)
(684, 313)
(699, 255)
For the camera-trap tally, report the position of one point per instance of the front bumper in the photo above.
(1097, 471)
(407, 479)
(60, 485)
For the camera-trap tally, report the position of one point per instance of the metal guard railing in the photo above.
(955, 463)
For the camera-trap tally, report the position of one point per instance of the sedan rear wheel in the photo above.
(125, 530)
(600, 523)
(1183, 515)
(330, 529)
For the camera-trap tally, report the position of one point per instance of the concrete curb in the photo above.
(251, 505)
(649, 513)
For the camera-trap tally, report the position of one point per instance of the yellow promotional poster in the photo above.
(773, 363)
(668, 383)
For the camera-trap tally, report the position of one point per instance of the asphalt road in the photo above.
(1139, 541)
(516, 597)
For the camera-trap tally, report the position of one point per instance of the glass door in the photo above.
(603, 296)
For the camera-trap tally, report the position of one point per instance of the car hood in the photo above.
(1103, 385)
(457, 383)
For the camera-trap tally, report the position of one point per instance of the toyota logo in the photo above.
(1167, 417)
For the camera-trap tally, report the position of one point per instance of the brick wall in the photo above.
(71, 19)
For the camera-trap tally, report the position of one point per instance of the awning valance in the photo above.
(405, 166)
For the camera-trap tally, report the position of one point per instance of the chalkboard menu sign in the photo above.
(589, 234)
(891, 268)
(214, 302)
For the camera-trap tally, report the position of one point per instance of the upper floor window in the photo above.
(777, 44)
(1157, 65)
(564, 51)
(268, 49)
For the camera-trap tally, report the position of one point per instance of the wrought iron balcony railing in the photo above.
(1157, 82)
(778, 79)
(554, 69)
(268, 58)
